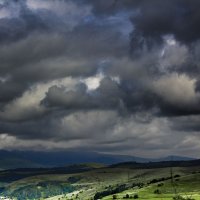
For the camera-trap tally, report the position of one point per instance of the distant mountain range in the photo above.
(34, 159)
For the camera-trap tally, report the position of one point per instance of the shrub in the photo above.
(118, 189)
(126, 196)
(140, 185)
(73, 179)
(135, 196)
(157, 192)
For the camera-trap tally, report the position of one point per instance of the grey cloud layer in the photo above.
(141, 59)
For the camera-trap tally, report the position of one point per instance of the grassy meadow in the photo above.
(106, 183)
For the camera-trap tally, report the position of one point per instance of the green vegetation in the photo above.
(40, 190)
(106, 183)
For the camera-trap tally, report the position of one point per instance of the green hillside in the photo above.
(105, 183)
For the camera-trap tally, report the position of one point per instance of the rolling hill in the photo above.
(90, 181)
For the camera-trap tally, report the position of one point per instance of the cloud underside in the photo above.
(109, 76)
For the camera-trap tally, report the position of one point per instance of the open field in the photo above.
(117, 182)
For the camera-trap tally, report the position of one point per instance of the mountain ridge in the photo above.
(33, 159)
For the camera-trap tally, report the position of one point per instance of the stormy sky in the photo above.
(113, 76)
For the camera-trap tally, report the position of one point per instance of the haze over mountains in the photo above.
(33, 159)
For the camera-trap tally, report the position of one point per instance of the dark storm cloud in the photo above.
(103, 7)
(44, 40)
(15, 27)
(179, 17)
(156, 18)
(61, 125)
(197, 86)
(108, 95)
(21, 61)
(58, 97)
(10, 90)
(187, 123)
(100, 74)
